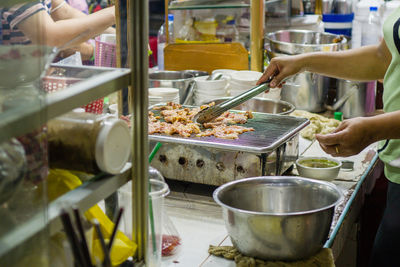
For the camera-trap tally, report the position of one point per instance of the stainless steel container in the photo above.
(306, 90)
(278, 218)
(357, 98)
(294, 42)
(261, 105)
(175, 79)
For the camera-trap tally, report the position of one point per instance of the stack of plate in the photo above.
(162, 95)
(242, 81)
(209, 89)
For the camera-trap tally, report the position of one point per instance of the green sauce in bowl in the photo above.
(318, 163)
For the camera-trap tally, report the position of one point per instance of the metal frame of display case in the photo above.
(23, 120)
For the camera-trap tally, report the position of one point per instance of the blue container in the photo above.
(338, 23)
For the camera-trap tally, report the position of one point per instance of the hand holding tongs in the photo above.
(212, 112)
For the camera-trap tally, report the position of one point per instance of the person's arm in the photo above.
(362, 64)
(68, 12)
(353, 135)
(42, 29)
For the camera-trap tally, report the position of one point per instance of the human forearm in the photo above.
(60, 32)
(384, 126)
(362, 64)
(367, 63)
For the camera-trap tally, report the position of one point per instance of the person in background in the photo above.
(352, 136)
(80, 5)
(55, 23)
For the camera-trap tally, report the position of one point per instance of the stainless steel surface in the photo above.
(205, 165)
(212, 112)
(83, 197)
(263, 105)
(361, 100)
(175, 79)
(266, 220)
(327, 174)
(138, 13)
(293, 42)
(98, 83)
(270, 131)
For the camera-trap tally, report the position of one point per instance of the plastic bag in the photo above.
(171, 240)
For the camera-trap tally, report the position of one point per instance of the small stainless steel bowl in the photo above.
(325, 173)
(278, 217)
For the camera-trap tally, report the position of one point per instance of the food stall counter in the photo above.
(199, 221)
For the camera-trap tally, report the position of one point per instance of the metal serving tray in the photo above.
(270, 131)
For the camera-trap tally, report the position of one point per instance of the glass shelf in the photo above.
(94, 83)
(207, 4)
(83, 197)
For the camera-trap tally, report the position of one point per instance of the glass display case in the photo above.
(235, 22)
(34, 90)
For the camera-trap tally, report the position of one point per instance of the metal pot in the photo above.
(306, 90)
(260, 105)
(354, 99)
(266, 220)
(175, 79)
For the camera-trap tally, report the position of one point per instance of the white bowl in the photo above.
(167, 92)
(325, 168)
(246, 77)
(202, 84)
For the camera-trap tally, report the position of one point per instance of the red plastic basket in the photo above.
(106, 54)
(54, 83)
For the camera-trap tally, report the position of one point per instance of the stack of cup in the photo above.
(209, 89)
(163, 95)
(242, 81)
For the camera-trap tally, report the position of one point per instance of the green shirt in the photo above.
(390, 154)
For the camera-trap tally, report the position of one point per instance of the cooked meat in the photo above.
(179, 121)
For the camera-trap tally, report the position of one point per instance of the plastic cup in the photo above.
(158, 191)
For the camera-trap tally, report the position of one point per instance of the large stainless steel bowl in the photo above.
(294, 42)
(260, 105)
(278, 218)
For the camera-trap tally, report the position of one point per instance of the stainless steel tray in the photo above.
(270, 131)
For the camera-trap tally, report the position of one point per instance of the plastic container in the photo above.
(338, 23)
(105, 51)
(162, 40)
(372, 32)
(88, 142)
(158, 190)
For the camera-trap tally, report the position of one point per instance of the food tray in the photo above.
(270, 131)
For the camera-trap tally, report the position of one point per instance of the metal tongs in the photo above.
(213, 112)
